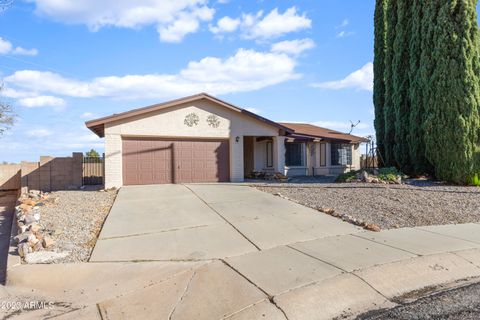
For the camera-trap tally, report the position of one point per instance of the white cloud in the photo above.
(225, 24)
(185, 24)
(276, 24)
(293, 47)
(40, 133)
(41, 101)
(173, 18)
(254, 110)
(25, 52)
(246, 70)
(361, 79)
(6, 47)
(260, 27)
(344, 23)
(88, 115)
(344, 34)
(340, 125)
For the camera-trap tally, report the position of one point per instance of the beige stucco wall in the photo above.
(170, 123)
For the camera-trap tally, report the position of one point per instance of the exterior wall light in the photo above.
(237, 139)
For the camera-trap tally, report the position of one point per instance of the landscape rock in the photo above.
(29, 219)
(372, 227)
(23, 249)
(22, 237)
(35, 227)
(330, 211)
(38, 246)
(48, 242)
(44, 257)
(32, 239)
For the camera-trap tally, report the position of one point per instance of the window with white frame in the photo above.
(295, 154)
(341, 154)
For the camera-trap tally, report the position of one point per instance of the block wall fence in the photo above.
(48, 174)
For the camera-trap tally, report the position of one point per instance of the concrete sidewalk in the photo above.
(250, 269)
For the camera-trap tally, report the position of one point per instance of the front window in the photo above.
(341, 154)
(295, 154)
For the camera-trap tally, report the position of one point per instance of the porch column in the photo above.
(236, 159)
(279, 154)
(328, 155)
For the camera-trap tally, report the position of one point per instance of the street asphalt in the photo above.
(457, 304)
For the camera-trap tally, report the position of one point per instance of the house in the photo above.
(201, 138)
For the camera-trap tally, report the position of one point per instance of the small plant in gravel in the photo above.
(389, 174)
(348, 176)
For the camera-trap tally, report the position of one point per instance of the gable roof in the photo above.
(305, 129)
(98, 125)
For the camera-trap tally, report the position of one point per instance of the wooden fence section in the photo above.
(368, 162)
(93, 170)
(10, 177)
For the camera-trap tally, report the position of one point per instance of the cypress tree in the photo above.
(389, 111)
(452, 108)
(379, 73)
(419, 57)
(400, 83)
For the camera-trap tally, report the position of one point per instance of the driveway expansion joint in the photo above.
(386, 244)
(154, 232)
(269, 296)
(182, 296)
(447, 235)
(221, 216)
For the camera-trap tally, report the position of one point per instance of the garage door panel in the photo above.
(153, 161)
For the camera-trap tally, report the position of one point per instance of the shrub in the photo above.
(389, 174)
(475, 180)
(347, 176)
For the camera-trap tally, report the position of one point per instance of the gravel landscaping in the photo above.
(417, 203)
(75, 219)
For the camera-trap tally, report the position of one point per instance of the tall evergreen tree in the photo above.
(400, 82)
(379, 72)
(419, 37)
(389, 110)
(452, 107)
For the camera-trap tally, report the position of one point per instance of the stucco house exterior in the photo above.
(201, 138)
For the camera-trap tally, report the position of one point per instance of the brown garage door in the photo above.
(153, 161)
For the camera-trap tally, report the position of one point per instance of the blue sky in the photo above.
(63, 62)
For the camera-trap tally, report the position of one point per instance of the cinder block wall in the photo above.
(10, 177)
(52, 173)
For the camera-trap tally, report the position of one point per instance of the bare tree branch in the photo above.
(7, 117)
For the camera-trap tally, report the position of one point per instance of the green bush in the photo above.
(475, 180)
(347, 177)
(389, 174)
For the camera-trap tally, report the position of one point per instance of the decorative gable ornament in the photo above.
(213, 121)
(191, 119)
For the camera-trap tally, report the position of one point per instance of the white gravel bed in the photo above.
(75, 220)
(388, 206)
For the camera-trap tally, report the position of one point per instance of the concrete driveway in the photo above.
(183, 252)
(202, 222)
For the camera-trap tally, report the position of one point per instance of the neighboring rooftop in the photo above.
(310, 130)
